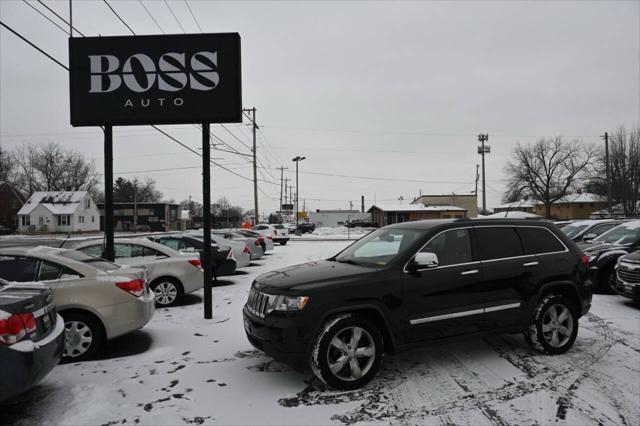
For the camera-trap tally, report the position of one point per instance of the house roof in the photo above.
(415, 208)
(62, 202)
(585, 197)
(523, 204)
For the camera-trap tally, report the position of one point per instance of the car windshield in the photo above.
(574, 229)
(379, 248)
(96, 262)
(627, 233)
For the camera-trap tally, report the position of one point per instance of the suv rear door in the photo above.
(507, 274)
(445, 300)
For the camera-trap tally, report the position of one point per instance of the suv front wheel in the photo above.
(554, 325)
(347, 353)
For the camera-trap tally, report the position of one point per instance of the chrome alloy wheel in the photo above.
(77, 340)
(557, 325)
(166, 293)
(351, 353)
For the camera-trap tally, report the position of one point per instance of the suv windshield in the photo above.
(96, 262)
(574, 229)
(627, 233)
(379, 248)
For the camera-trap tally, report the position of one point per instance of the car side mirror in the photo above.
(589, 237)
(425, 259)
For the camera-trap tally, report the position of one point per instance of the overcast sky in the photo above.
(395, 92)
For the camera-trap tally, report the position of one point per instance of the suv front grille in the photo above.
(629, 275)
(259, 302)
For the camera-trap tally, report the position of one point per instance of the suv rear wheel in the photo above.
(554, 325)
(347, 353)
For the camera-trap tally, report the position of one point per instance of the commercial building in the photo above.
(574, 206)
(334, 218)
(11, 200)
(382, 215)
(468, 202)
(160, 217)
(64, 211)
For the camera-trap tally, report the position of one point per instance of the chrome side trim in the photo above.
(464, 313)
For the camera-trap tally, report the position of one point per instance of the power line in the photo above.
(118, 16)
(151, 16)
(60, 17)
(34, 46)
(194, 16)
(174, 16)
(45, 16)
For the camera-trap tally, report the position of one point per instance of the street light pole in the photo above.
(297, 160)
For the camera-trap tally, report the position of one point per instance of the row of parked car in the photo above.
(65, 302)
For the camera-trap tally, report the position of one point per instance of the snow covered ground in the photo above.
(182, 369)
(333, 233)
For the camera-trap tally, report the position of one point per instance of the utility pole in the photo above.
(297, 160)
(477, 179)
(135, 204)
(286, 189)
(282, 169)
(255, 127)
(606, 159)
(483, 150)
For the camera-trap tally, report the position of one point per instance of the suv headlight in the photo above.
(288, 303)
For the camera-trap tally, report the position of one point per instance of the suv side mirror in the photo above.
(589, 237)
(426, 259)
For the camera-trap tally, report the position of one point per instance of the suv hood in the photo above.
(297, 276)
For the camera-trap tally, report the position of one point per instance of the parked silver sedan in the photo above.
(98, 300)
(170, 273)
(255, 248)
(267, 242)
(241, 252)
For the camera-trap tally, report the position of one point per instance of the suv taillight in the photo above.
(134, 287)
(196, 262)
(15, 327)
(584, 259)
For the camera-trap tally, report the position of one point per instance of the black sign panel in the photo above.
(172, 79)
(287, 207)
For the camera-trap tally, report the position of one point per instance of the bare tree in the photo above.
(8, 166)
(548, 169)
(624, 160)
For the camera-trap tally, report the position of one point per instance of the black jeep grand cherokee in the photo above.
(413, 283)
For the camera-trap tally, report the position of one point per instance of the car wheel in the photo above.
(166, 290)
(554, 325)
(283, 243)
(347, 353)
(607, 281)
(83, 336)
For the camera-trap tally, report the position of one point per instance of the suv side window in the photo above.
(498, 242)
(539, 241)
(19, 269)
(452, 247)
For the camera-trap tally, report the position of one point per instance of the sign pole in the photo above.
(206, 228)
(108, 193)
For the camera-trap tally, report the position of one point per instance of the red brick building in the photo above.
(10, 202)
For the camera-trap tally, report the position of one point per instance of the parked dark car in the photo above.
(628, 276)
(5, 231)
(359, 223)
(306, 227)
(143, 228)
(31, 336)
(413, 283)
(222, 257)
(605, 250)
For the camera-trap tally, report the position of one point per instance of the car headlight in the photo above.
(289, 303)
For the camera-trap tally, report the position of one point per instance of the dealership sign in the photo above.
(173, 79)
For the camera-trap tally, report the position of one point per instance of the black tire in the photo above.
(607, 280)
(167, 291)
(78, 327)
(283, 243)
(545, 328)
(324, 352)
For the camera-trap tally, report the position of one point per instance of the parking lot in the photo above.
(182, 369)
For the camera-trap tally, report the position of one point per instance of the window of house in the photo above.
(64, 220)
(26, 220)
(40, 220)
(87, 204)
(93, 219)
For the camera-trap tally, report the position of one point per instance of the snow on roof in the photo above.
(415, 208)
(514, 214)
(585, 197)
(517, 204)
(62, 202)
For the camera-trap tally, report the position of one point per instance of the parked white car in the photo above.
(267, 242)
(171, 274)
(278, 233)
(97, 299)
(253, 243)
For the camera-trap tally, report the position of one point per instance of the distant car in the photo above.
(31, 336)
(241, 252)
(628, 276)
(170, 274)
(585, 230)
(253, 244)
(267, 243)
(359, 223)
(98, 300)
(306, 227)
(5, 231)
(605, 250)
(224, 262)
(279, 233)
(142, 228)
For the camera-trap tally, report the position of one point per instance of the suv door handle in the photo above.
(469, 272)
(531, 264)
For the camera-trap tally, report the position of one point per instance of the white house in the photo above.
(59, 212)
